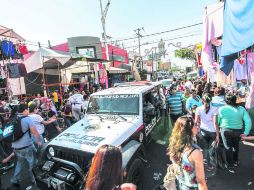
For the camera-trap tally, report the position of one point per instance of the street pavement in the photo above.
(157, 165)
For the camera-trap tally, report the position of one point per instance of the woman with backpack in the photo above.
(186, 157)
(233, 118)
(206, 120)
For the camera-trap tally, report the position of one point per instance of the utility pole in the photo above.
(152, 65)
(113, 57)
(139, 36)
(103, 22)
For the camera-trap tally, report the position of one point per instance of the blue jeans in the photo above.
(41, 139)
(24, 155)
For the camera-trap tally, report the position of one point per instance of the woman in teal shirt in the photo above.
(232, 118)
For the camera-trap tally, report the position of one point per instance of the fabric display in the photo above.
(250, 62)
(17, 70)
(213, 17)
(222, 79)
(240, 70)
(2, 72)
(17, 86)
(237, 35)
(7, 49)
(22, 49)
(250, 99)
(3, 83)
(10, 50)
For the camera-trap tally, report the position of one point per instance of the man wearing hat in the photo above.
(174, 102)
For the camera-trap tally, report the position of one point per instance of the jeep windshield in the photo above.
(125, 104)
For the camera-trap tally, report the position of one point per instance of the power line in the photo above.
(143, 36)
(149, 43)
(167, 31)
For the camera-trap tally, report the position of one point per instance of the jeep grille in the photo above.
(83, 159)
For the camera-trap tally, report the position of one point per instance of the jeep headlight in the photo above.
(51, 151)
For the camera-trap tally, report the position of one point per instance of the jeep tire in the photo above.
(136, 174)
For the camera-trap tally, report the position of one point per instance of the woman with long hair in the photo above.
(185, 155)
(206, 120)
(233, 117)
(106, 171)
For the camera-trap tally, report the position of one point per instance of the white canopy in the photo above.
(113, 70)
(49, 59)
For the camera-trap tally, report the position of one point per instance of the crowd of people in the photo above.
(39, 121)
(202, 114)
(205, 116)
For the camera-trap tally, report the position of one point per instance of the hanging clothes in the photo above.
(240, 70)
(22, 69)
(212, 29)
(238, 31)
(238, 28)
(8, 49)
(22, 49)
(13, 70)
(223, 79)
(250, 63)
(17, 86)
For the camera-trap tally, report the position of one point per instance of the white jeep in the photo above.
(122, 116)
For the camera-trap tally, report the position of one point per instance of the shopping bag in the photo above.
(213, 154)
(221, 157)
(170, 179)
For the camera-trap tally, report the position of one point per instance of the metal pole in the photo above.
(113, 57)
(43, 78)
(152, 66)
(103, 18)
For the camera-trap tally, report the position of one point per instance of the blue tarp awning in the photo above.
(238, 30)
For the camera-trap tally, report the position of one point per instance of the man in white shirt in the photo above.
(38, 121)
(77, 101)
(85, 103)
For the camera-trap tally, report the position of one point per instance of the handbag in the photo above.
(170, 178)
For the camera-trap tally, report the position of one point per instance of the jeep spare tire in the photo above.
(135, 174)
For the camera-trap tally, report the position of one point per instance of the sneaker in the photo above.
(236, 163)
(17, 185)
(231, 170)
(7, 166)
(210, 168)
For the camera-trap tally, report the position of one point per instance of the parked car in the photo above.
(166, 82)
(121, 116)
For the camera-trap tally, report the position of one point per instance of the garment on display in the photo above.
(240, 70)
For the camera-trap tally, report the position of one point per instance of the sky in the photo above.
(56, 20)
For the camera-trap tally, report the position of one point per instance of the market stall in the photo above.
(12, 69)
(44, 68)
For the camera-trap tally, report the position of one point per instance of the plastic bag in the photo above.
(213, 154)
(170, 179)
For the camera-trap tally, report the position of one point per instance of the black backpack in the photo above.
(13, 130)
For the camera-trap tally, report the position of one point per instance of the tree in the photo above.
(186, 53)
